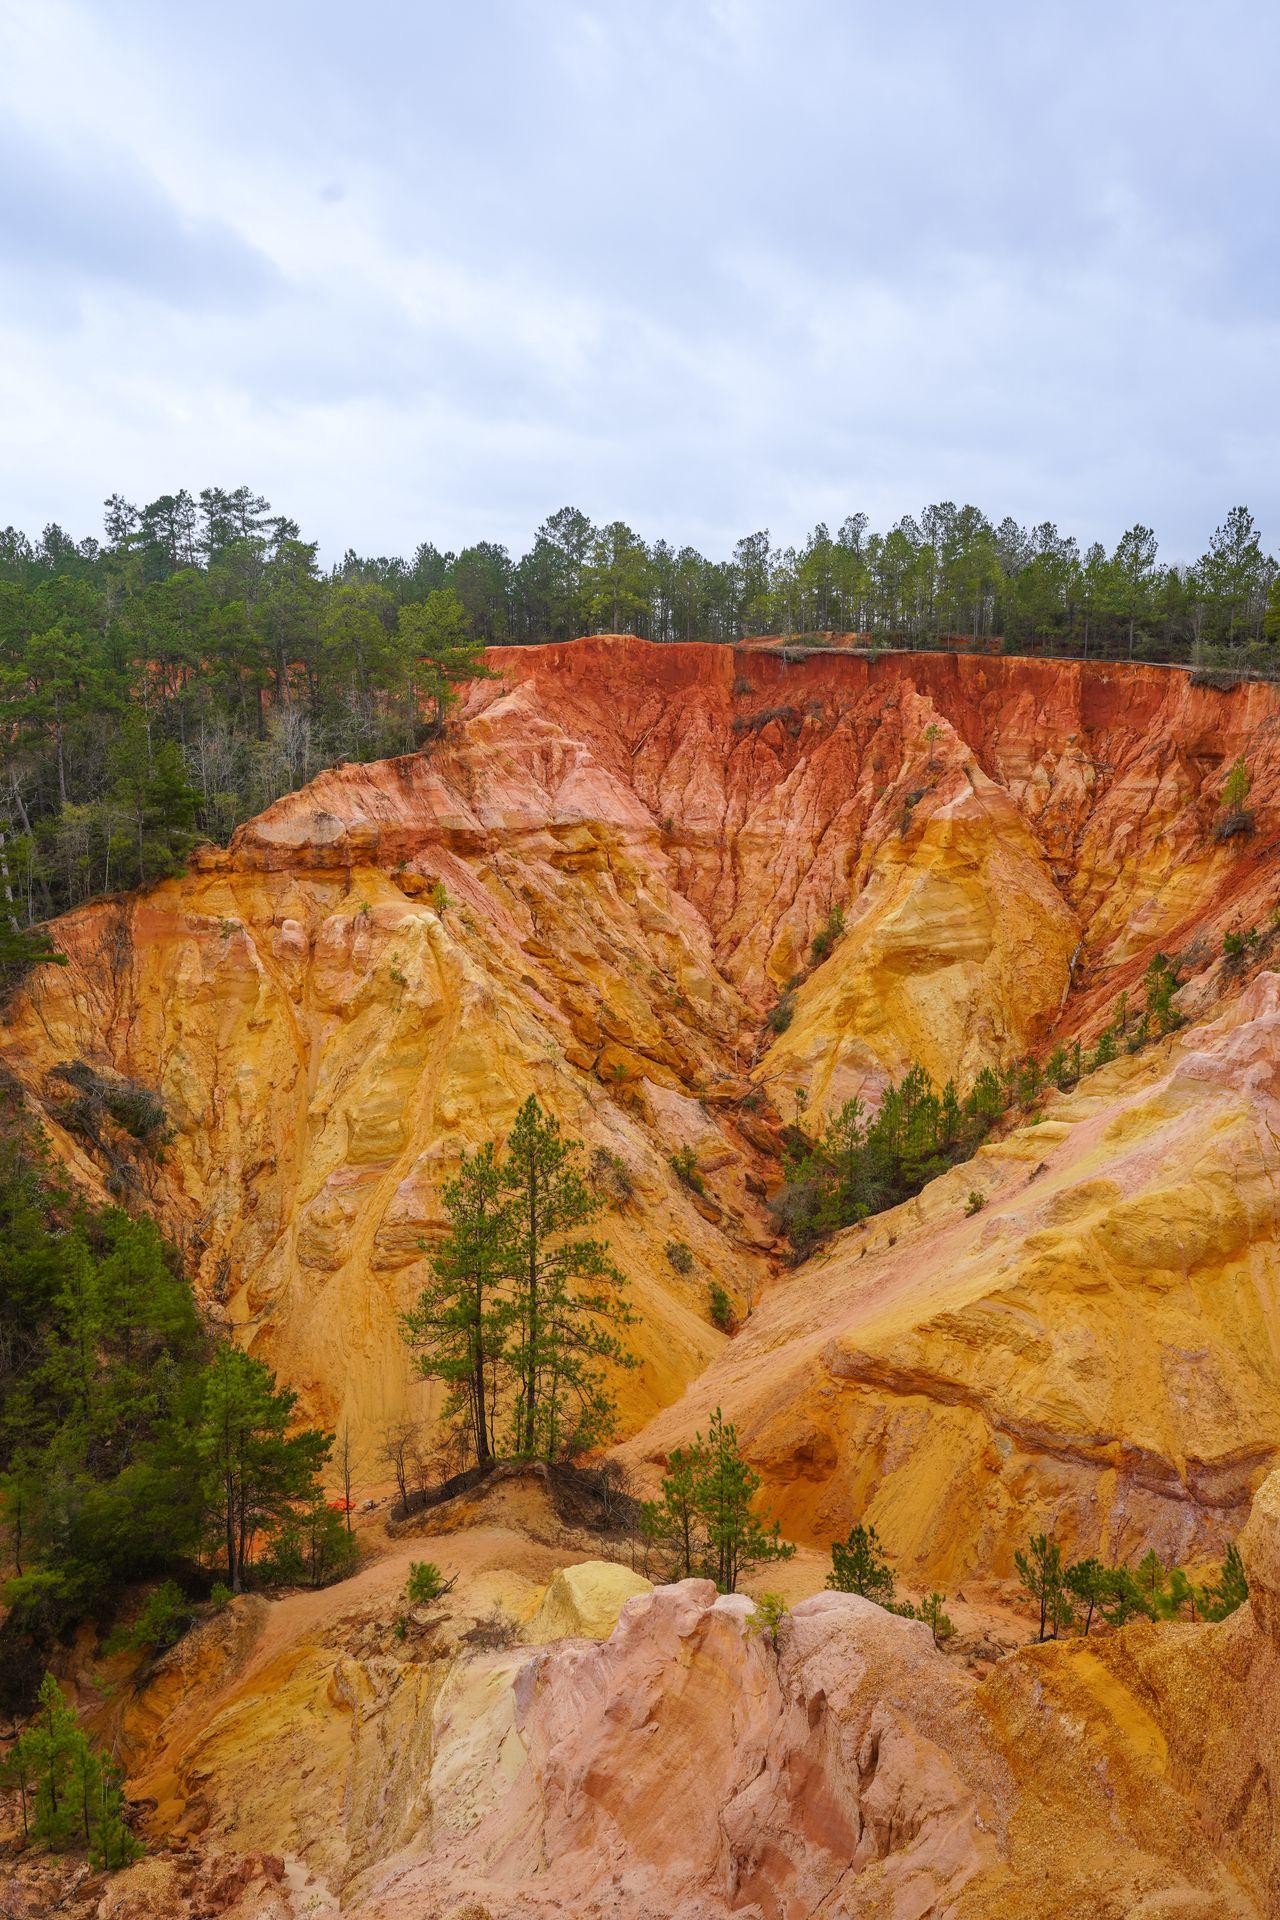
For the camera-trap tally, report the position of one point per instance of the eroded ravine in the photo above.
(637, 845)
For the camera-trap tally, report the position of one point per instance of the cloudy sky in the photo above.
(421, 270)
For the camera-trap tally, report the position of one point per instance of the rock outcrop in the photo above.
(694, 1768)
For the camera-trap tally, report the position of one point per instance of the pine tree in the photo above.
(567, 1294)
(463, 1322)
(1223, 1595)
(1086, 1582)
(52, 1745)
(1041, 1572)
(673, 1521)
(439, 651)
(726, 1486)
(257, 1470)
(70, 1795)
(859, 1566)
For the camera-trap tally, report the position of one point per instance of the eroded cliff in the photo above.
(593, 890)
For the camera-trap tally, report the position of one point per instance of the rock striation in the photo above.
(594, 890)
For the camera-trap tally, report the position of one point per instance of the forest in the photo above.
(170, 679)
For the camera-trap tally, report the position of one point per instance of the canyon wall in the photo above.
(594, 889)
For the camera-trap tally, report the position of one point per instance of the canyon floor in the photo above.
(596, 888)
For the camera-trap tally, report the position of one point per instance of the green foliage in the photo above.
(684, 1164)
(1043, 1577)
(858, 1565)
(1237, 944)
(720, 1307)
(782, 1012)
(22, 949)
(260, 1475)
(679, 1256)
(101, 1358)
(975, 1203)
(1161, 983)
(1236, 787)
(767, 1618)
(1222, 1596)
(612, 1179)
(176, 676)
(440, 898)
(163, 1618)
(859, 1164)
(308, 1541)
(932, 1610)
(703, 1519)
(462, 1327)
(1105, 1050)
(522, 1312)
(826, 936)
(69, 1795)
(425, 1583)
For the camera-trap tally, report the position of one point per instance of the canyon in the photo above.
(600, 887)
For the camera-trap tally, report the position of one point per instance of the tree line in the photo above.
(169, 679)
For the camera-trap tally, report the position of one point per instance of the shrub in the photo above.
(440, 897)
(770, 1612)
(425, 1583)
(219, 1596)
(720, 1307)
(1237, 943)
(1236, 786)
(976, 1201)
(782, 1013)
(680, 1256)
(940, 1623)
(611, 1177)
(495, 1631)
(826, 936)
(684, 1164)
(1161, 982)
(165, 1615)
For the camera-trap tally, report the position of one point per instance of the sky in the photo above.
(431, 271)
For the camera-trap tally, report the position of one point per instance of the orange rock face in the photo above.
(637, 845)
(594, 890)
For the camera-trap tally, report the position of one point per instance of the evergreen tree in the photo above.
(21, 950)
(1229, 1591)
(1041, 1572)
(439, 651)
(567, 1294)
(70, 1795)
(736, 1540)
(1087, 1583)
(704, 1516)
(257, 1471)
(463, 1323)
(673, 1522)
(859, 1566)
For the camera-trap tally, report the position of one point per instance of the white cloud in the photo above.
(705, 267)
